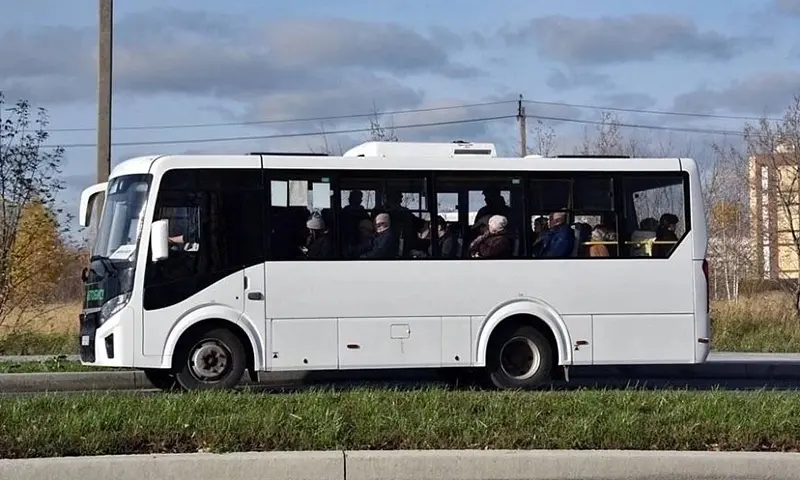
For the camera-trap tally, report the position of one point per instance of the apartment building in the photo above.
(775, 212)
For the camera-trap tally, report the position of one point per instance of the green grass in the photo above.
(39, 343)
(764, 323)
(98, 424)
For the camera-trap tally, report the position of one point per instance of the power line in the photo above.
(708, 131)
(280, 135)
(285, 120)
(416, 110)
(652, 112)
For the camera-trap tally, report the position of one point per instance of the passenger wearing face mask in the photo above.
(385, 245)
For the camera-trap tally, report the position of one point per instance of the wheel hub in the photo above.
(209, 361)
(520, 358)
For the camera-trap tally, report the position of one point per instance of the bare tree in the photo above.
(30, 236)
(606, 140)
(726, 195)
(774, 149)
(377, 131)
(544, 137)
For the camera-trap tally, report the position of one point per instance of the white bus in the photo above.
(204, 266)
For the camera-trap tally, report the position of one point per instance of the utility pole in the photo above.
(523, 130)
(104, 54)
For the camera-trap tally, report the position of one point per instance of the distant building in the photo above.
(775, 211)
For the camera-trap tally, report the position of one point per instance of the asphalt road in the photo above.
(727, 371)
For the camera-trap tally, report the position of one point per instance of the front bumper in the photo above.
(109, 344)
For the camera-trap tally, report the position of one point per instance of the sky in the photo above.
(206, 74)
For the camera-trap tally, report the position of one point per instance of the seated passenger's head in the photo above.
(558, 218)
(382, 222)
(540, 224)
(315, 224)
(602, 234)
(365, 228)
(497, 224)
(441, 225)
(669, 221)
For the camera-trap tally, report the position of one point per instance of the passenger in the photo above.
(495, 204)
(363, 243)
(319, 242)
(385, 244)
(404, 222)
(351, 215)
(495, 243)
(445, 239)
(665, 233)
(601, 234)
(558, 241)
(539, 227)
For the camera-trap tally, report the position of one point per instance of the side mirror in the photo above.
(159, 240)
(87, 196)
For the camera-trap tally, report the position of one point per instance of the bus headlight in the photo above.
(113, 306)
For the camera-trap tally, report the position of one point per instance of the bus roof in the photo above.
(410, 156)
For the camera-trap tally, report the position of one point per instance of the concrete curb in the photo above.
(72, 381)
(416, 465)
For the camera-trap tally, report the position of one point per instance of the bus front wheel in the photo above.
(211, 360)
(519, 357)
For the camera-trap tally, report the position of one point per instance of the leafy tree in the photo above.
(30, 236)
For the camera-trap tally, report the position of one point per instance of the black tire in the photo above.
(532, 355)
(161, 378)
(223, 357)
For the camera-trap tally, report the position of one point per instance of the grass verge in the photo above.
(54, 365)
(99, 424)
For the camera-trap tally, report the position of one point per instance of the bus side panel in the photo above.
(649, 335)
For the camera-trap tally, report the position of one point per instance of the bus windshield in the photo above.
(118, 235)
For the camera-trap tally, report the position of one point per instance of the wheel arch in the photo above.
(207, 318)
(528, 311)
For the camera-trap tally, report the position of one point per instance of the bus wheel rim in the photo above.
(209, 361)
(520, 358)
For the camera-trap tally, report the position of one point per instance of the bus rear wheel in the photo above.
(519, 357)
(211, 360)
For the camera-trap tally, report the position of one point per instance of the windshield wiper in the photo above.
(107, 263)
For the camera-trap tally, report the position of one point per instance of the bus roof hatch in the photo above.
(421, 149)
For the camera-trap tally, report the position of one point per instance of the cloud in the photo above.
(171, 51)
(640, 37)
(637, 101)
(764, 93)
(560, 80)
(358, 94)
(787, 7)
